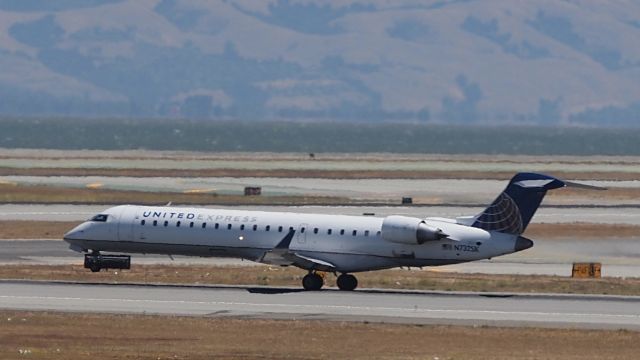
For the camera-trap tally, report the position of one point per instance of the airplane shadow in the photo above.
(270, 291)
(288, 290)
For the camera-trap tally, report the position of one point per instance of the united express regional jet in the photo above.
(317, 243)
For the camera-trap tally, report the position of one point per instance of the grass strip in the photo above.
(49, 335)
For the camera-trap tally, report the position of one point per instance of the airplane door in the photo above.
(138, 231)
(302, 233)
(125, 225)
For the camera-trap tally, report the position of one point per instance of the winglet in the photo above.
(280, 255)
(286, 241)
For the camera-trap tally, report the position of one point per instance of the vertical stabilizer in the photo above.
(513, 209)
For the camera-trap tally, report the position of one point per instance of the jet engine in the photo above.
(409, 230)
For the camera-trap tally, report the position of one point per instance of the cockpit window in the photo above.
(100, 218)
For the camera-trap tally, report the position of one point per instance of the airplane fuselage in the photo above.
(347, 243)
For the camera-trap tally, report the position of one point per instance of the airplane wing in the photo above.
(282, 255)
(307, 262)
(278, 255)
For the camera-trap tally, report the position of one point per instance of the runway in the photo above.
(599, 312)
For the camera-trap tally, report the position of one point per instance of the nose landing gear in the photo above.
(96, 261)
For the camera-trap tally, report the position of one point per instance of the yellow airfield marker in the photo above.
(95, 186)
(7, 182)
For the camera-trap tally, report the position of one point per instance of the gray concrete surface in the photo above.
(604, 215)
(372, 305)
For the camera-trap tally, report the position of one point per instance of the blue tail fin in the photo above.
(512, 211)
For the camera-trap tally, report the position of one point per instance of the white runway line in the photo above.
(545, 311)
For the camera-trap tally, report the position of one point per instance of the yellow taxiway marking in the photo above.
(200, 191)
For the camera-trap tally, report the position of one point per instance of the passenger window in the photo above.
(355, 232)
(166, 223)
(242, 227)
(302, 230)
(142, 222)
(255, 227)
(204, 225)
(315, 230)
(366, 233)
(267, 228)
(329, 232)
(342, 232)
(228, 226)
(155, 222)
(279, 228)
(178, 224)
(191, 224)
(378, 233)
(290, 228)
(217, 226)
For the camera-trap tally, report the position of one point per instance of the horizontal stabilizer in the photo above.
(583, 186)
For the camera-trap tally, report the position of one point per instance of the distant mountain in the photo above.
(486, 61)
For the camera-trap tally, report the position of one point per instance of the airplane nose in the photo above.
(75, 233)
(70, 235)
(523, 243)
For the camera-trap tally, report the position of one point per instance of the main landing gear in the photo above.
(313, 281)
(347, 282)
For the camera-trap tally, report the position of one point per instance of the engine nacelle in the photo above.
(409, 230)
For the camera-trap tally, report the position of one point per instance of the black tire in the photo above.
(347, 282)
(311, 282)
(95, 268)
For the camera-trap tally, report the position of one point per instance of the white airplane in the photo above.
(328, 243)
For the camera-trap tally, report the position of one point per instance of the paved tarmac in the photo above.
(600, 312)
(603, 215)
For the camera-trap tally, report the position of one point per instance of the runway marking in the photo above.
(414, 310)
(44, 213)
